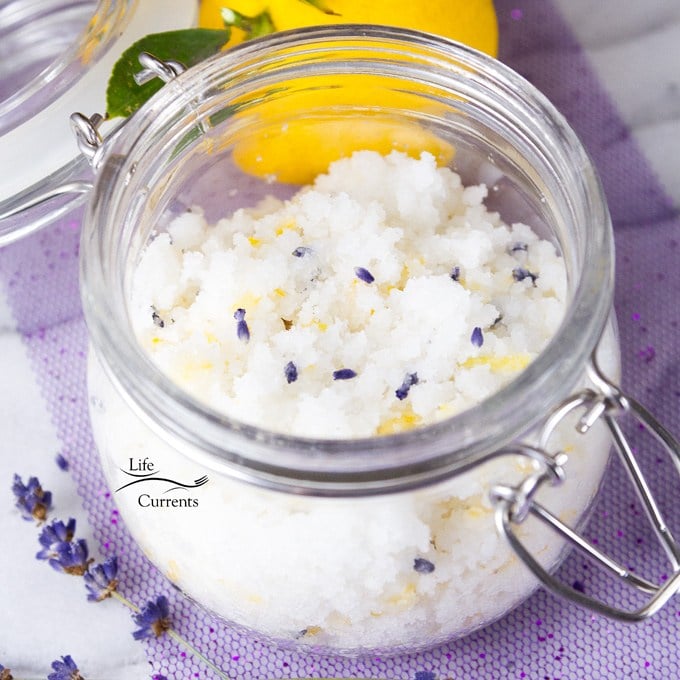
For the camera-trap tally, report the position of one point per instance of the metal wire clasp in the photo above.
(90, 141)
(86, 130)
(513, 504)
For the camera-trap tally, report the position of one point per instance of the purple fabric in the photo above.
(543, 638)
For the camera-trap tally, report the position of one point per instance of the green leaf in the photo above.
(254, 27)
(321, 5)
(190, 46)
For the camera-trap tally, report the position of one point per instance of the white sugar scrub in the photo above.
(383, 298)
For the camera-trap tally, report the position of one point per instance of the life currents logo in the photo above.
(155, 490)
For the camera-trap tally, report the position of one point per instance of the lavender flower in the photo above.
(364, 275)
(301, 251)
(519, 274)
(31, 499)
(5, 673)
(71, 558)
(100, 579)
(344, 374)
(518, 247)
(423, 566)
(477, 338)
(455, 274)
(241, 325)
(53, 536)
(153, 620)
(409, 380)
(157, 320)
(61, 462)
(291, 372)
(65, 669)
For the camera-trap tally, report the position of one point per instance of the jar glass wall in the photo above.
(380, 543)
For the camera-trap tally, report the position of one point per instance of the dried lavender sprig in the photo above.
(100, 579)
(520, 273)
(410, 379)
(477, 337)
(344, 374)
(33, 501)
(301, 251)
(518, 247)
(157, 319)
(455, 274)
(291, 372)
(5, 673)
(364, 275)
(66, 669)
(153, 619)
(423, 566)
(53, 536)
(71, 558)
(242, 330)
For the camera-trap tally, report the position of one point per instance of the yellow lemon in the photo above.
(294, 148)
(472, 22)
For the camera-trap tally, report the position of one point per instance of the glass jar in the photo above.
(377, 544)
(55, 57)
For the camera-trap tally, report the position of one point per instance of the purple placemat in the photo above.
(543, 638)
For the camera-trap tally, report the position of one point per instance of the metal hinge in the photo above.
(514, 504)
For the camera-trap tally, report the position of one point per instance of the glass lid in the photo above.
(55, 58)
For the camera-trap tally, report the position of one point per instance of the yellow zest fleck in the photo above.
(288, 226)
(403, 278)
(255, 242)
(477, 511)
(280, 292)
(211, 338)
(446, 409)
(406, 421)
(406, 598)
(247, 301)
(376, 615)
(509, 363)
(372, 312)
(319, 324)
(312, 630)
(155, 340)
(192, 367)
(173, 571)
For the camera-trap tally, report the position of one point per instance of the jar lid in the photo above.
(49, 71)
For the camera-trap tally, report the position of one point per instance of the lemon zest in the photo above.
(509, 363)
(401, 423)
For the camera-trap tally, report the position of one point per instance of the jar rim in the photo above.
(346, 467)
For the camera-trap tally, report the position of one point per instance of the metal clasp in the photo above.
(513, 504)
(90, 141)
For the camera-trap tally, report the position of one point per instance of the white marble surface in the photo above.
(44, 614)
(635, 49)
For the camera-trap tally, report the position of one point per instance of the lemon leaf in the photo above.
(190, 46)
(254, 27)
(321, 5)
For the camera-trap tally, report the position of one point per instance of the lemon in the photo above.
(295, 149)
(472, 22)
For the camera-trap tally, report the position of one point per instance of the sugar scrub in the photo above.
(382, 298)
